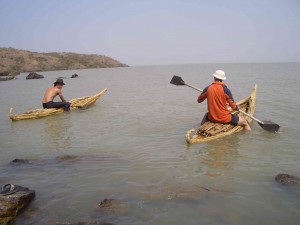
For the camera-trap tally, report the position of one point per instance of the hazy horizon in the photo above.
(157, 32)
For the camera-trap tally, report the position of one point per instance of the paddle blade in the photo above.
(81, 107)
(176, 80)
(269, 126)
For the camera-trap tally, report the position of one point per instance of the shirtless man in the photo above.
(51, 93)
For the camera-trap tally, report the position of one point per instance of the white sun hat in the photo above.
(220, 74)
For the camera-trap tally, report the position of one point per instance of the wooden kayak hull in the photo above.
(211, 131)
(39, 113)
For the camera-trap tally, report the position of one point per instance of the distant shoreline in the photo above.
(15, 61)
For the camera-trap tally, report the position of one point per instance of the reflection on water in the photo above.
(221, 154)
(57, 130)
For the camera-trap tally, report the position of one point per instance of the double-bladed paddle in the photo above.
(266, 125)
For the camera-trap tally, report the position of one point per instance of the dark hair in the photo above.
(216, 79)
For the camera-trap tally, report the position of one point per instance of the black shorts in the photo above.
(234, 119)
(57, 105)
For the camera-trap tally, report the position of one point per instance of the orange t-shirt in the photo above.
(217, 95)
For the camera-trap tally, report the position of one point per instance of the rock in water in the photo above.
(5, 78)
(34, 76)
(19, 161)
(287, 179)
(88, 223)
(63, 158)
(12, 204)
(74, 75)
(114, 206)
(4, 74)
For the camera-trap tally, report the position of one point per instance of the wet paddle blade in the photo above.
(269, 126)
(82, 107)
(176, 80)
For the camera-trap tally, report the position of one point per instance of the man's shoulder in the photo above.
(53, 89)
(225, 87)
(227, 91)
(207, 87)
(56, 89)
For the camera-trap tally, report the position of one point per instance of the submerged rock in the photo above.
(34, 76)
(13, 202)
(74, 75)
(67, 157)
(114, 206)
(287, 179)
(87, 223)
(20, 161)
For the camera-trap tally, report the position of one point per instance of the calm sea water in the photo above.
(130, 146)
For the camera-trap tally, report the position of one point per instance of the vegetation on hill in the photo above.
(14, 61)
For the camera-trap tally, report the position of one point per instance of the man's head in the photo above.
(219, 75)
(59, 83)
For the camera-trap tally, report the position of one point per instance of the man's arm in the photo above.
(203, 96)
(61, 96)
(230, 99)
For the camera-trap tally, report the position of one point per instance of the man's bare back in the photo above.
(51, 93)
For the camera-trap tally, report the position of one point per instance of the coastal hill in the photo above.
(15, 61)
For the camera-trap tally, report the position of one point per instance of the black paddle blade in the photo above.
(177, 80)
(269, 126)
(82, 107)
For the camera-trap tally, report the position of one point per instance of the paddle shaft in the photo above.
(193, 87)
(252, 117)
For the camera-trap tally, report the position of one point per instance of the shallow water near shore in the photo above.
(130, 146)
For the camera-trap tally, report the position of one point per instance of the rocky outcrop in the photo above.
(12, 204)
(34, 76)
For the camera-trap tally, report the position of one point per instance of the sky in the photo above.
(156, 32)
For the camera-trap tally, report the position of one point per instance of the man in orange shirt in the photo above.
(217, 95)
